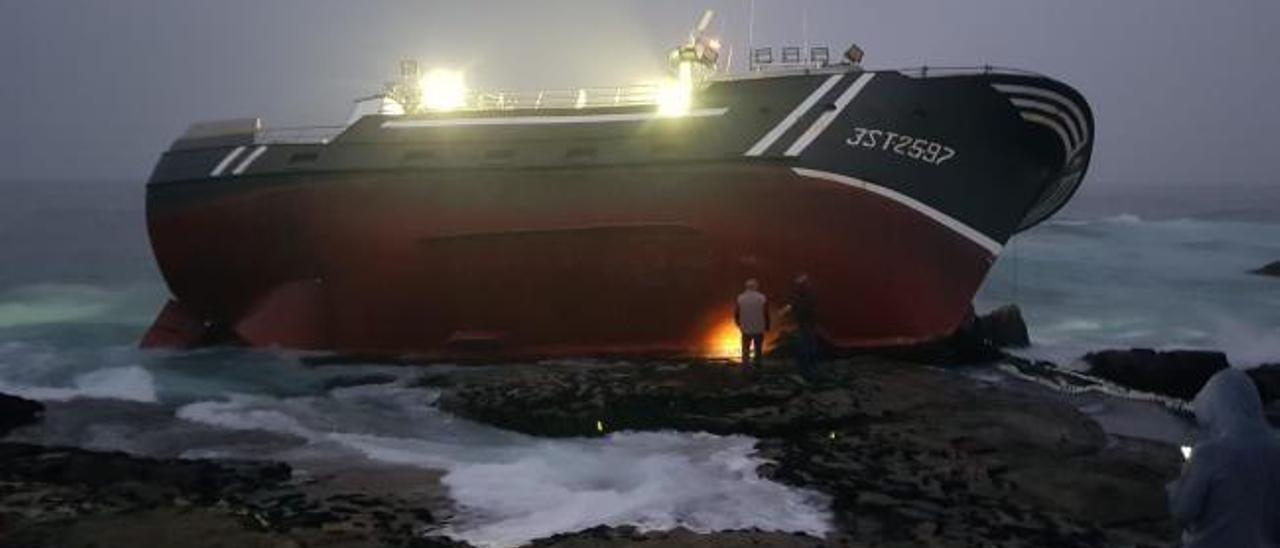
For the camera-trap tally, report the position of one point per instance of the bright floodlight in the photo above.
(444, 90)
(675, 97)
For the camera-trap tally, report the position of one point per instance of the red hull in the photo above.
(630, 260)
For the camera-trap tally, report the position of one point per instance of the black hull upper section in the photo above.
(990, 153)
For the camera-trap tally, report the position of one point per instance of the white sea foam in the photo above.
(243, 412)
(57, 303)
(512, 488)
(1248, 345)
(1125, 281)
(131, 383)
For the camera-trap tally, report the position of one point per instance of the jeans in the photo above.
(747, 342)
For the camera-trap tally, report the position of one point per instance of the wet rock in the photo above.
(1176, 373)
(908, 454)
(1120, 485)
(200, 479)
(1273, 414)
(1004, 327)
(16, 412)
(705, 396)
(1267, 377)
(1272, 269)
(116, 500)
(979, 339)
(679, 538)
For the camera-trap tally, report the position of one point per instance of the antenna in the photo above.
(703, 23)
(804, 26)
(751, 35)
(703, 49)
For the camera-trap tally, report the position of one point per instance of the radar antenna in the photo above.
(703, 50)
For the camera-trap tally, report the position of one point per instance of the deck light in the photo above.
(675, 97)
(444, 90)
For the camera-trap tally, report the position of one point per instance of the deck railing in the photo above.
(593, 97)
(298, 135)
(635, 95)
(928, 72)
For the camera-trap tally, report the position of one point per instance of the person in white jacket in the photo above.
(1228, 495)
(751, 313)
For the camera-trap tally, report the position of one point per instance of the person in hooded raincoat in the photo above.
(1228, 495)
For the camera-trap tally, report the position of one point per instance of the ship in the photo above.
(444, 223)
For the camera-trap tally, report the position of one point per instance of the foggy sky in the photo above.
(1184, 91)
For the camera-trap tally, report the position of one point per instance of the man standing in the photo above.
(803, 312)
(751, 313)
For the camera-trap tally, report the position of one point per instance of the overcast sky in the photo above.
(1184, 91)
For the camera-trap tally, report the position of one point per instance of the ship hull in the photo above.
(634, 258)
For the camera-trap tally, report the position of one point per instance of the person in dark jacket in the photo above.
(1229, 492)
(803, 312)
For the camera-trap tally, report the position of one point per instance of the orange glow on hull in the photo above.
(724, 342)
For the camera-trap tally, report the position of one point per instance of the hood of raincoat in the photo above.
(1229, 405)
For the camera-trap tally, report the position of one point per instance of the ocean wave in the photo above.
(59, 303)
(511, 488)
(131, 383)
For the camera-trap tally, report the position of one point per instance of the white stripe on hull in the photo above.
(1076, 136)
(991, 246)
(226, 161)
(1070, 105)
(1068, 150)
(249, 161)
(774, 134)
(548, 120)
(829, 116)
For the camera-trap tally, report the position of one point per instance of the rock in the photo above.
(16, 412)
(1121, 484)
(1272, 269)
(1273, 414)
(905, 452)
(57, 496)
(979, 339)
(1004, 327)
(1267, 377)
(1176, 373)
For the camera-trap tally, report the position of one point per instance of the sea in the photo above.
(1141, 265)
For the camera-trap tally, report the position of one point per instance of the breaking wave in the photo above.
(1125, 281)
(132, 383)
(511, 488)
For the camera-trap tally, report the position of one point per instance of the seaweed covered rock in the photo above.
(1175, 373)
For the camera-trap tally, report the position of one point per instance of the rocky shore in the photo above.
(909, 455)
(75, 498)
